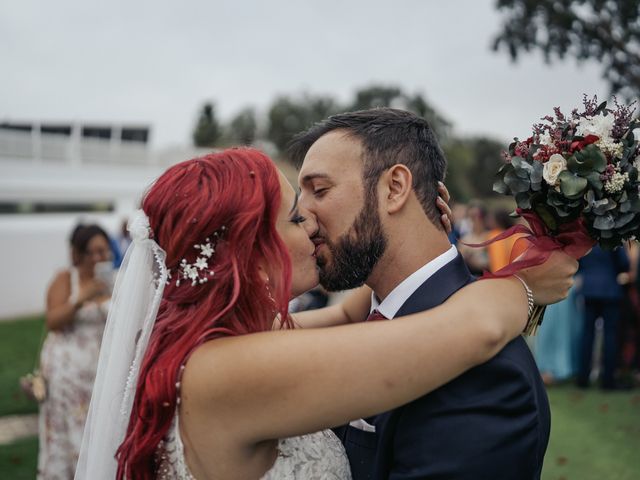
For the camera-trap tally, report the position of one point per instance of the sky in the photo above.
(156, 63)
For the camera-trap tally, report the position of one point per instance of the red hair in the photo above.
(240, 190)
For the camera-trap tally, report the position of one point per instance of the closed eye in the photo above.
(297, 219)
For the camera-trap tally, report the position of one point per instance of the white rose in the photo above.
(553, 167)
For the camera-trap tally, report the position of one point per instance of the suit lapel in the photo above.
(440, 286)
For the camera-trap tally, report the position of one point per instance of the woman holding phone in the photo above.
(77, 307)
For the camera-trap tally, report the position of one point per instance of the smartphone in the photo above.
(106, 273)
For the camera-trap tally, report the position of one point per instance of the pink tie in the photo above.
(376, 315)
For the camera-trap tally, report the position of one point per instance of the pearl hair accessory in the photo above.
(198, 272)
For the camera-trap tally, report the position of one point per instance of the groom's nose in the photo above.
(311, 223)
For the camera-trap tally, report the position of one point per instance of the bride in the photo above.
(192, 381)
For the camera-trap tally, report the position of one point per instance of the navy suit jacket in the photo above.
(490, 423)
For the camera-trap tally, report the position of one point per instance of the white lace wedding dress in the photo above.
(317, 456)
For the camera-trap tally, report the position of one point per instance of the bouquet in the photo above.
(575, 181)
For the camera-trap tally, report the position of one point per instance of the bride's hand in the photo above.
(551, 281)
(442, 202)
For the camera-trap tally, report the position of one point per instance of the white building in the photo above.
(51, 177)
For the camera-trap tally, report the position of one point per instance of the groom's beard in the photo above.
(356, 253)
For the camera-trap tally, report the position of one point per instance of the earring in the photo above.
(269, 292)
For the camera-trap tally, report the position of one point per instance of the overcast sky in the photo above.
(157, 62)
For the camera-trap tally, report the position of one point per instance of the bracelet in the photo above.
(530, 303)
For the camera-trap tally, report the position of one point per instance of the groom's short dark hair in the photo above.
(389, 136)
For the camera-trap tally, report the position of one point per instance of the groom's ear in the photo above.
(398, 186)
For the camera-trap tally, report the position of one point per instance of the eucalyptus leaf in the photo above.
(604, 222)
(536, 173)
(572, 186)
(522, 173)
(588, 159)
(630, 139)
(634, 204)
(517, 162)
(600, 207)
(630, 227)
(600, 108)
(624, 219)
(563, 212)
(594, 179)
(515, 183)
(500, 187)
(625, 206)
(523, 200)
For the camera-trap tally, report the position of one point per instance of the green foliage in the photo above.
(376, 96)
(607, 31)
(471, 166)
(207, 131)
(243, 127)
(290, 115)
(19, 343)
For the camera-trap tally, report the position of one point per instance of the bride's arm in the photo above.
(300, 381)
(354, 308)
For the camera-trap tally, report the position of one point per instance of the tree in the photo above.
(472, 165)
(207, 131)
(291, 115)
(418, 105)
(242, 128)
(604, 30)
(375, 96)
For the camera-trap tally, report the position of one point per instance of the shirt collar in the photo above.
(391, 304)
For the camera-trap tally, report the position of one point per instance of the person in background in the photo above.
(500, 252)
(557, 343)
(461, 224)
(76, 311)
(311, 300)
(629, 332)
(124, 239)
(602, 295)
(476, 258)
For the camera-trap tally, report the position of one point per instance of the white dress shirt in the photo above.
(391, 304)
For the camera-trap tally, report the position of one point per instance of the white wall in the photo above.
(32, 249)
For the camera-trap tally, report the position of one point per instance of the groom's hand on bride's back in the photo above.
(551, 281)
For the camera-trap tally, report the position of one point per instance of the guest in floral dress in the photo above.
(77, 303)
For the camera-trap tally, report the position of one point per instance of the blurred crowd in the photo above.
(591, 338)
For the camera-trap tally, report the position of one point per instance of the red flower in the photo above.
(580, 144)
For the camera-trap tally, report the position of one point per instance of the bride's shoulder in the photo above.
(215, 368)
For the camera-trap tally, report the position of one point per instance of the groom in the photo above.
(371, 179)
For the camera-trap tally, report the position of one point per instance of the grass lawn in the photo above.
(19, 342)
(594, 435)
(19, 460)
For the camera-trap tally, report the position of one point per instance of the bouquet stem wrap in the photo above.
(538, 243)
